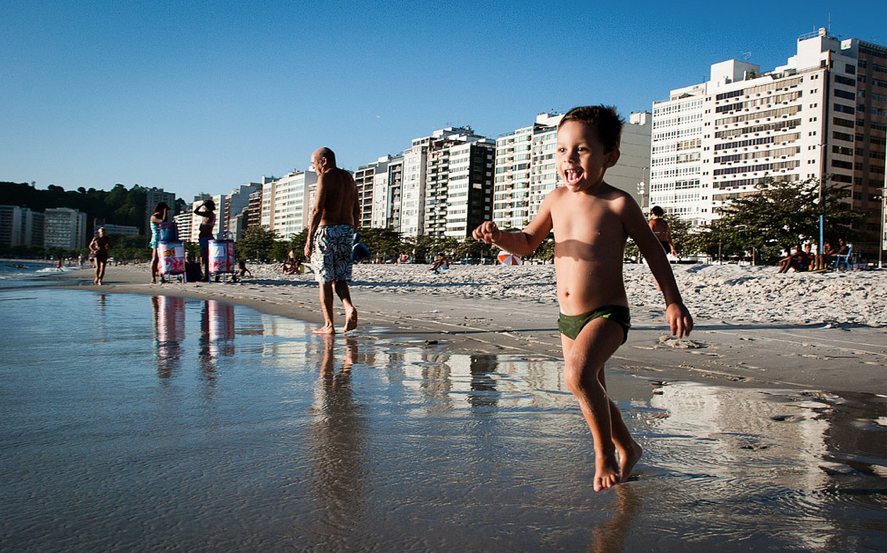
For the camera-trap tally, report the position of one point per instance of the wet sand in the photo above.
(163, 423)
(754, 327)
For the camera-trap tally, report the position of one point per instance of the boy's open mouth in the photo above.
(572, 176)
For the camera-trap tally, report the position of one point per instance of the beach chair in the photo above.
(843, 259)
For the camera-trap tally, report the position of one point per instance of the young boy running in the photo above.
(592, 221)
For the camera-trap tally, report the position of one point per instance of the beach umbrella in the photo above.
(506, 258)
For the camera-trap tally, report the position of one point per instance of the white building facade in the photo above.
(817, 115)
(64, 228)
(526, 170)
(287, 201)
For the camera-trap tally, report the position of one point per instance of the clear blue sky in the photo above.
(204, 96)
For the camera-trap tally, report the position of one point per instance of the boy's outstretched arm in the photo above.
(524, 242)
(676, 314)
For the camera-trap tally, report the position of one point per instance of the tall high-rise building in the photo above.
(64, 228)
(230, 210)
(19, 226)
(155, 196)
(287, 201)
(822, 115)
(253, 211)
(446, 186)
(378, 188)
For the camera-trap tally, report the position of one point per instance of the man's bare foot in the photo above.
(606, 472)
(350, 321)
(628, 459)
(325, 330)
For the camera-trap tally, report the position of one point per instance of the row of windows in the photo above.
(743, 169)
(778, 152)
(871, 52)
(673, 173)
(678, 107)
(874, 111)
(751, 103)
(774, 126)
(677, 121)
(677, 185)
(680, 133)
(738, 182)
(779, 166)
(728, 95)
(770, 113)
(786, 84)
(749, 142)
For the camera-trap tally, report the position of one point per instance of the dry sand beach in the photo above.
(754, 327)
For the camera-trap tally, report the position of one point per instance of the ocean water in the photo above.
(138, 423)
(15, 274)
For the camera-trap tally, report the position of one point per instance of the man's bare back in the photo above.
(339, 197)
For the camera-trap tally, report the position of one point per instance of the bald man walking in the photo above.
(330, 232)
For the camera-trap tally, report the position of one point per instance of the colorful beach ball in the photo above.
(506, 258)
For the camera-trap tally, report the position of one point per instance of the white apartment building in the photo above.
(184, 223)
(460, 188)
(286, 202)
(19, 226)
(231, 209)
(412, 211)
(64, 228)
(526, 171)
(429, 185)
(817, 115)
(378, 188)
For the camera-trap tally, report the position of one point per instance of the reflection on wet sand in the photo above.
(805, 455)
(611, 535)
(169, 331)
(338, 441)
(309, 444)
(216, 335)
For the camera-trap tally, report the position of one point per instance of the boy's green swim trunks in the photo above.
(571, 325)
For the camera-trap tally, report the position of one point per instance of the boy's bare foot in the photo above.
(606, 472)
(628, 459)
(326, 330)
(350, 321)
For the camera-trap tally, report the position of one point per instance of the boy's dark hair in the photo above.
(657, 211)
(603, 118)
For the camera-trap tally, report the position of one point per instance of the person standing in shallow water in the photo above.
(592, 221)
(330, 234)
(100, 246)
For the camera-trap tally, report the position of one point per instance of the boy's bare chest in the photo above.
(585, 221)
